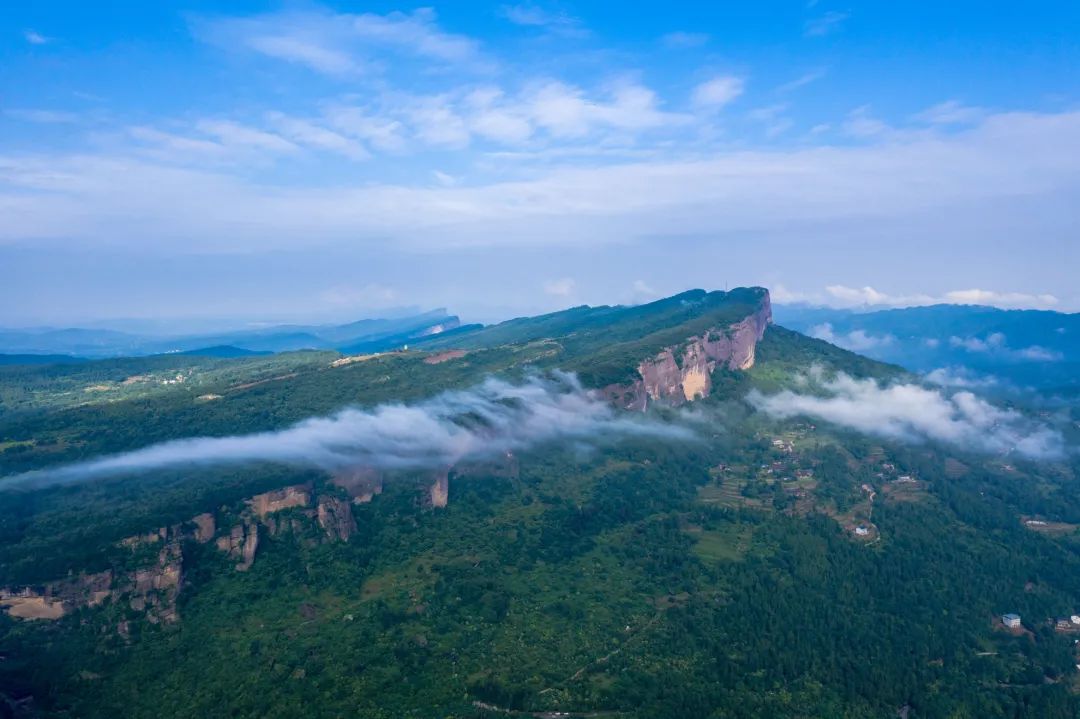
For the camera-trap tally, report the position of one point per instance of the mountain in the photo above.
(1022, 347)
(38, 359)
(372, 334)
(725, 518)
(222, 351)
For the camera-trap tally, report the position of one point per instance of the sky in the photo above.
(255, 162)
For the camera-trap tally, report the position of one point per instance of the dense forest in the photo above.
(717, 577)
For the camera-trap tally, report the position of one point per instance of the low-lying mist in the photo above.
(911, 412)
(485, 421)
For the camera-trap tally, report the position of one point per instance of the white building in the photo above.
(1012, 621)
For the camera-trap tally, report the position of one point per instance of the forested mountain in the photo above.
(675, 509)
(368, 334)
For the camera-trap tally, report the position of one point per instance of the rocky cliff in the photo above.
(683, 373)
(152, 587)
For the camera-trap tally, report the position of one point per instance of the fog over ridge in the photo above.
(478, 423)
(912, 412)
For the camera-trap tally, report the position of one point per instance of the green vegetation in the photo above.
(713, 578)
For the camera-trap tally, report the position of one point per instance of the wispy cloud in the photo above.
(997, 344)
(951, 112)
(35, 38)
(553, 21)
(681, 39)
(803, 80)
(92, 197)
(824, 24)
(913, 413)
(314, 135)
(960, 377)
(459, 426)
(843, 296)
(856, 340)
(562, 287)
(43, 117)
(342, 43)
(717, 92)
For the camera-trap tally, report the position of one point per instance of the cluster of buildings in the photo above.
(1061, 624)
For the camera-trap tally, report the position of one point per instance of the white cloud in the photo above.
(236, 135)
(445, 179)
(1000, 299)
(1036, 353)
(563, 287)
(960, 377)
(843, 296)
(435, 121)
(861, 124)
(530, 15)
(35, 38)
(856, 340)
(995, 341)
(342, 43)
(305, 52)
(996, 344)
(416, 33)
(824, 24)
(566, 112)
(642, 288)
(802, 80)
(869, 297)
(912, 413)
(718, 91)
(382, 133)
(491, 118)
(310, 134)
(95, 198)
(43, 117)
(680, 39)
(479, 423)
(951, 112)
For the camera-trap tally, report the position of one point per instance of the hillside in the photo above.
(657, 543)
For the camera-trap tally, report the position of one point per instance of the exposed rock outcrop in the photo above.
(241, 543)
(684, 373)
(439, 492)
(298, 495)
(205, 527)
(151, 589)
(336, 518)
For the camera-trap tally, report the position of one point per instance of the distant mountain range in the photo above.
(363, 335)
(958, 343)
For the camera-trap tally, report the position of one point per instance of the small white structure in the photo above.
(1075, 619)
(1012, 621)
(861, 531)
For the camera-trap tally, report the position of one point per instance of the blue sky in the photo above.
(254, 161)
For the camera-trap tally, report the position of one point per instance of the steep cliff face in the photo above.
(153, 588)
(296, 496)
(241, 543)
(683, 373)
(336, 518)
(439, 493)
